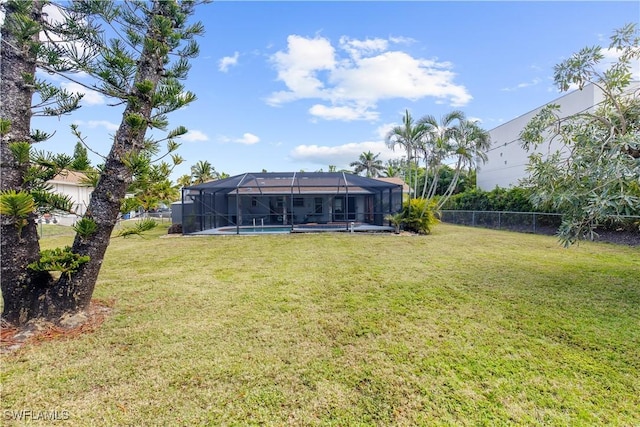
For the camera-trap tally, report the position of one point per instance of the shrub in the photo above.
(396, 220)
(515, 199)
(175, 229)
(470, 200)
(419, 215)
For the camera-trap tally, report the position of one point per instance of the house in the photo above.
(288, 199)
(406, 190)
(507, 160)
(70, 183)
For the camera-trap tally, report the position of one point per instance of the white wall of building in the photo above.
(69, 184)
(507, 160)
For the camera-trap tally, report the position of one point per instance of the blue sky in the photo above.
(289, 86)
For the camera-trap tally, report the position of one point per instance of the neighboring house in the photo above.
(406, 190)
(287, 199)
(69, 183)
(507, 160)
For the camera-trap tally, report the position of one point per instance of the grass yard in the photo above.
(463, 327)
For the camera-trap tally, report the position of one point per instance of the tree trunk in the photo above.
(452, 185)
(17, 60)
(21, 288)
(426, 176)
(434, 183)
(27, 294)
(73, 293)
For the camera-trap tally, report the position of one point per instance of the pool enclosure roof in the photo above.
(271, 183)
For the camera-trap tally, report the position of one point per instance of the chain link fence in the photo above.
(523, 222)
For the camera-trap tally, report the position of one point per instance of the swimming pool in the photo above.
(300, 228)
(267, 229)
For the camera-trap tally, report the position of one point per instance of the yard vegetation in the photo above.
(462, 327)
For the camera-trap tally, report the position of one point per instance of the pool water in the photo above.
(254, 230)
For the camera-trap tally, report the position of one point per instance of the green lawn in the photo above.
(463, 327)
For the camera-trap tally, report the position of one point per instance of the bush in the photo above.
(514, 199)
(419, 215)
(470, 200)
(175, 229)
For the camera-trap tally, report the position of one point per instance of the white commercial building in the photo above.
(507, 160)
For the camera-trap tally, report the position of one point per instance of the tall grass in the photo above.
(461, 327)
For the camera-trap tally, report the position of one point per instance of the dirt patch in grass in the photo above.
(37, 331)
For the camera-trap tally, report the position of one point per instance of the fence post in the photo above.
(534, 223)
(498, 220)
(473, 218)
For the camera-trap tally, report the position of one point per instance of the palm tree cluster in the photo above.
(373, 167)
(201, 172)
(431, 143)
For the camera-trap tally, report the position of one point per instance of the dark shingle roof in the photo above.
(296, 183)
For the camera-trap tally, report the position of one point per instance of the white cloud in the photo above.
(92, 124)
(228, 61)
(90, 97)
(358, 48)
(401, 40)
(340, 155)
(523, 85)
(346, 113)
(399, 75)
(384, 129)
(359, 73)
(248, 139)
(194, 136)
(55, 14)
(299, 66)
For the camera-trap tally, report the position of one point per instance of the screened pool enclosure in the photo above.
(309, 199)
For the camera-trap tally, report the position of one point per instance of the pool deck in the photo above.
(310, 228)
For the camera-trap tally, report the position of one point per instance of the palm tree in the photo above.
(166, 191)
(369, 163)
(438, 145)
(410, 137)
(392, 168)
(184, 181)
(470, 143)
(202, 171)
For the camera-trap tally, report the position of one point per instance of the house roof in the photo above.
(296, 183)
(69, 177)
(396, 180)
